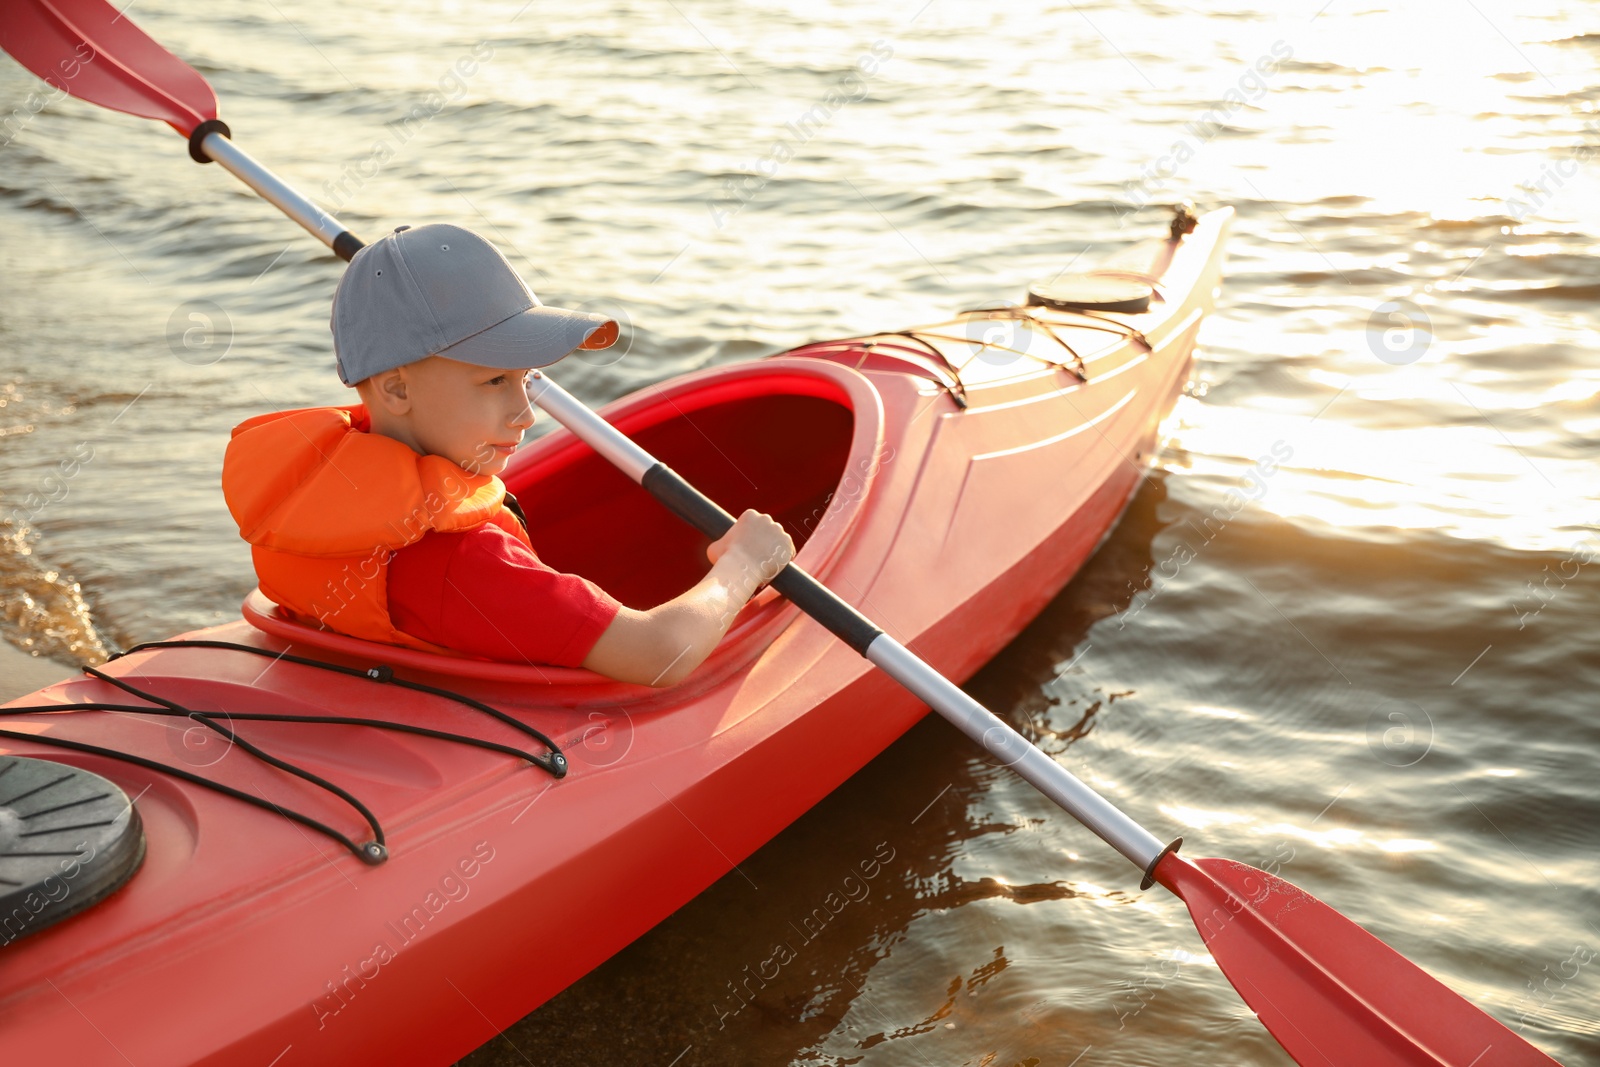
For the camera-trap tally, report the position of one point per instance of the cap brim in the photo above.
(536, 337)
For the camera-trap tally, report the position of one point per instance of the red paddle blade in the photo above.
(86, 48)
(1331, 993)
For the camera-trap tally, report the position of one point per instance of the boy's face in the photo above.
(469, 414)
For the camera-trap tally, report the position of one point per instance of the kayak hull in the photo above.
(955, 517)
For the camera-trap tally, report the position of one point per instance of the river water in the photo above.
(1373, 669)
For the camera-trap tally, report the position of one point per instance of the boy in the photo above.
(385, 520)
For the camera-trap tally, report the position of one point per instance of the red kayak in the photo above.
(442, 889)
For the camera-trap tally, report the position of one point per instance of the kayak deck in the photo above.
(954, 491)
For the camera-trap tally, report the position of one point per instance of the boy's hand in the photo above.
(661, 646)
(758, 542)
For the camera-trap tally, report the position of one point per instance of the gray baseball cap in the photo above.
(442, 290)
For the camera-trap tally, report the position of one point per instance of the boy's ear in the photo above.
(388, 389)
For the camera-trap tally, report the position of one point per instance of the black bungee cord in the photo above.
(374, 851)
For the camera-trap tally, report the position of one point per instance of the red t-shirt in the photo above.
(483, 592)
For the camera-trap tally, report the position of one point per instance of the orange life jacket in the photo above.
(324, 504)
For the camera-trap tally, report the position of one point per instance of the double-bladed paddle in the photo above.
(1331, 993)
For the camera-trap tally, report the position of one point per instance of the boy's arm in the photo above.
(660, 647)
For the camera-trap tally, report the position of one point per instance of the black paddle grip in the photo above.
(198, 135)
(686, 502)
(346, 245)
(804, 591)
(824, 605)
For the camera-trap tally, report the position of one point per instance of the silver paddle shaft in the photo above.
(280, 194)
(1109, 822)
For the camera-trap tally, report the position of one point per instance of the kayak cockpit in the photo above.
(795, 438)
(781, 452)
